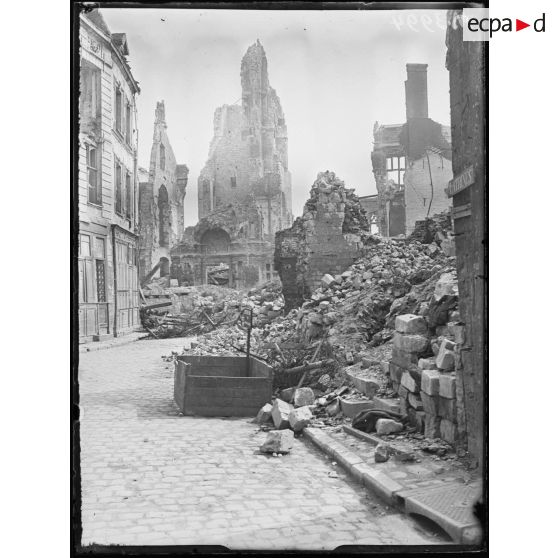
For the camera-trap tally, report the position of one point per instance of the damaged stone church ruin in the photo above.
(161, 203)
(244, 190)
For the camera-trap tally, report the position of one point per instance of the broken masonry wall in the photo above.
(465, 62)
(402, 152)
(231, 236)
(326, 239)
(425, 182)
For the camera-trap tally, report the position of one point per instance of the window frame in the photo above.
(399, 167)
(128, 195)
(97, 198)
(118, 100)
(128, 122)
(118, 186)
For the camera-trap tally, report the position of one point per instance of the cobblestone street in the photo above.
(151, 476)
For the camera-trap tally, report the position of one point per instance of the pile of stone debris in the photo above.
(183, 311)
(347, 316)
(290, 412)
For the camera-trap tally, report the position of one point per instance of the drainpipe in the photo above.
(114, 274)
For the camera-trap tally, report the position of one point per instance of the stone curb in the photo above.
(385, 487)
(375, 481)
(102, 345)
(398, 454)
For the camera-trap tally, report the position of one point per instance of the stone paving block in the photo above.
(432, 426)
(410, 323)
(303, 397)
(264, 414)
(429, 403)
(403, 358)
(447, 408)
(410, 343)
(395, 372)
(409, 383)
(447, 385)
(388, 426)
(430, 382)
(445, 359)
(299, 418)
(448, 431)
(280, 414)
(415, 402)
(427, 364)
(278, 441)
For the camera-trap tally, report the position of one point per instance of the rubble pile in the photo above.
(422, 367)
(358, 307)
(181, 311)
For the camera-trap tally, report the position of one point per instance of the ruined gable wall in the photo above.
(327, 239)
(419, 192)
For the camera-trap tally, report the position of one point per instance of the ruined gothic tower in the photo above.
(248, 161)
(161, 202)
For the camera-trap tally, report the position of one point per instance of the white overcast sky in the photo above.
(336, 73)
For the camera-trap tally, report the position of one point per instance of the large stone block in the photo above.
(430, 403)
(447, 408)
(448, 431)
(280, 414)
(278, 441)
(430, 382)
(403, 358)
(264, 414)
(445, 359)
(403, 392)
(287, 394)
(300, 418)
(415, 402)
(432, 426)
(395, 372)
(328, 280)
(410, 323)
(410, 343)
(447, 386)
(388, 426)
(458, 332)
(417, 419)
(427, 364)
(404, 406)
(408, 382)
(303, 396)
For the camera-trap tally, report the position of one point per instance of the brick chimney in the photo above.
(416, 91)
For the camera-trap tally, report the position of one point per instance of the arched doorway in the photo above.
(164, 217)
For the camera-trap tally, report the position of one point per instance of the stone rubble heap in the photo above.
(200, 309)
(422, 367)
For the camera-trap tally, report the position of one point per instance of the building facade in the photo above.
(107, 183)
(411, 162)
(161, 203)
(244, 190)
(465, 62)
